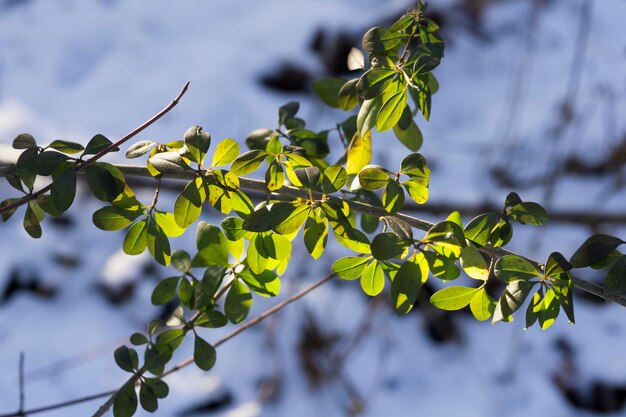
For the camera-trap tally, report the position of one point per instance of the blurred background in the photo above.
(532, 100)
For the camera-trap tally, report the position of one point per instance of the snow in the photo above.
(70, 69)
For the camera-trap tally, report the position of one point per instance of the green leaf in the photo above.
(104, 185)
(478, 230)
(368, 113)
(7, 214)
(197, 143)
(473, 263)
(359, 153)
(562, 288)
(140, 148)
(399, 227)
(188, 205)
(256, 257)
(406, 285)
(136, 239)
(63, 188)
(170, 339)
(417, 191)
(453, 298)
(556, 265)
(378, 40)
(212, 319)
(348, 96)
(32, 218)
(448, 235)
(594, 250)
(258, 139)
(334, 178)
(373, 177)
(225, 153)
(373, 82)
(327, 89)
(414, 165)
(233, 228)
(482, 305)
(158, 387)
(288, 111)
(373, 279)
(113, 218)
(204, 354)
(274, 176)
(511, 268)
(316, 233)
(164, 290)
(241, 203)
(247, 162)
(47, 162)
(511, 300)
(407, 131)
(615, 281)
(24, 141)
(125, 403)
(350, 267)
(97, 144)
(265, 283)
(181, 261)
(393, 197)
(391, 111)
(167, 223)
(212, 246)
(442, 266)
(388, 246)
(308, 177)
(282, 217)
(529, 213)
(66, 147)
(169, 163)
(126, 358)
(158, 244)
(238, 302)
(148, 399)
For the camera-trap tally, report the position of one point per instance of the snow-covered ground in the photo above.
(70, 69)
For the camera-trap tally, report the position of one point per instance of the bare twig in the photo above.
(82, 165)
(21, 383)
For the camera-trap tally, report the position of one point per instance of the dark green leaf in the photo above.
(32, 219)
(212, 319)
(615, 281)
(204, 354)
(113, 218)
(66, 147)
(407, 131)
(97, 144)
(197, 142)
(399, 227)
(388, 246)
(288, 111)
(138, 339)
(181, 261)
(348, 96)
(374, 82)
(46, 162)
(63, 188)
(158, 387)
(594, 250)
(274, 176)
(165, 290)
(511, 300)
(327, 89)
(233, 228)
(148, 399)
(442, 266)
(556, 265)
(170, 339)
(378, 40)
(478, 230)
(125, 403)
(308, 177)
(126, 358)
(104, 185)
(366, 119)
(24, 141)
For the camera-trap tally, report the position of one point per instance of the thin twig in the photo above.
(21, 383)
(82, 165)
(245, 326)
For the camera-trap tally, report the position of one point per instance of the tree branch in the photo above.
(81, 165)
(245, 326)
